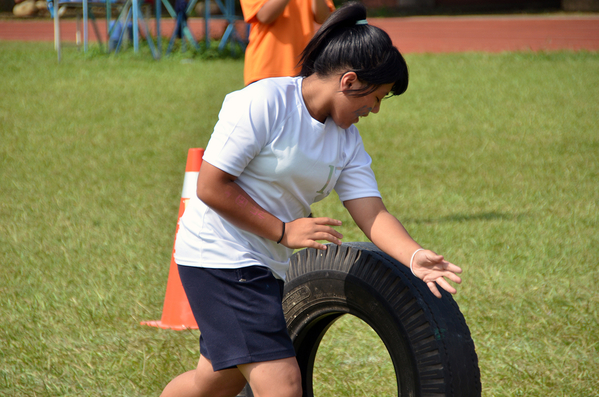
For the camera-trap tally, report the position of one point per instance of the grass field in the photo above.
(492, 160)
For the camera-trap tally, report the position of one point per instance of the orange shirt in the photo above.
(274, 50)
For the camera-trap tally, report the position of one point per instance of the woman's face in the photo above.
(349, 108)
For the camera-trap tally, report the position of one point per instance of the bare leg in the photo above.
(205, 382)
(277, 378)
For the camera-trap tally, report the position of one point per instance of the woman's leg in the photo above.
(205, 382)
(277, 378)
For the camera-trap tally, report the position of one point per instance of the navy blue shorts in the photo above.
(239, 313)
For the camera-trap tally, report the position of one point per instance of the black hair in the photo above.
(342, 45)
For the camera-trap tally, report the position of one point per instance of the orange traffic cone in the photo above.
(176, 313)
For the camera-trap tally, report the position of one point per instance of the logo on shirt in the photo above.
(331, 172)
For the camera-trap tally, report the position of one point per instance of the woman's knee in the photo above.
(278, 378)
(294, 388)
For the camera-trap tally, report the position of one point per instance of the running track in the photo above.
(410, 35)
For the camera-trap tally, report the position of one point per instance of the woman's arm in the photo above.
(321, 11)
(219, 191)
(272, 9)
(387, 233)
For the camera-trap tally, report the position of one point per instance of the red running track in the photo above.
(410, 34)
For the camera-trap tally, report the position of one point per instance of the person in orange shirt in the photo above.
(279, 31)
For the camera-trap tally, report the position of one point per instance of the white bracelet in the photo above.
(412, 260)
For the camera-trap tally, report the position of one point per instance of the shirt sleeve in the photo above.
(250, 9)
(244, 127)
(357, 180)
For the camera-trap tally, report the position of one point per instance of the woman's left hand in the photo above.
(433, 269)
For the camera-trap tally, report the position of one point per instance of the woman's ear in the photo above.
(348, 81)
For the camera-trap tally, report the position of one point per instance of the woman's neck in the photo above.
(317, 96)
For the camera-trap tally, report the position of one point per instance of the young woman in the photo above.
(280, 145)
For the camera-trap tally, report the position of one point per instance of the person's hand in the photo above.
(304, 233)
(433, 269)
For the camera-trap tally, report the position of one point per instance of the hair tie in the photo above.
(282, 234)
(362, 22)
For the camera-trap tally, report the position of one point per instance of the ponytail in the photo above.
(347, 43)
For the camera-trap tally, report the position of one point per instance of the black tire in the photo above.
(427, 338)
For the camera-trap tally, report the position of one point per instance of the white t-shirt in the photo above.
(285, 160)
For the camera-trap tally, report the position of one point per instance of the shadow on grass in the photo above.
(484, 216)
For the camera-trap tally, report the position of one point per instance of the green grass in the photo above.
(492, 160)
(353, 361)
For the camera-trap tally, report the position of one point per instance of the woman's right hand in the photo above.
(306, 232)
